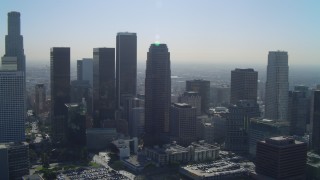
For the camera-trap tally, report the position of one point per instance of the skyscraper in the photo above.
(281, 158)
(183, 123)
(126, 65)
(85, 70)
(60, 89)
(14, 160)
(104, 85)
(298, 112)
(14, 41)
(40, 98)
(12, 106)
(277, 86)
(192, 98)
(237, 125)
(203, 88)
(244, 85)
(157, 93)
(315, 120)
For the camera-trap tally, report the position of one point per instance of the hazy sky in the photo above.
(205, 31)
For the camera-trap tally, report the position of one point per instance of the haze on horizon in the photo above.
(206, 31)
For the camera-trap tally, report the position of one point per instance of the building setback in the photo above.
(281, 158)
(126, 65)
(104, 86)
(60, 89)
(244, 85)
(157, 94)
(14, 41)
(277, 86)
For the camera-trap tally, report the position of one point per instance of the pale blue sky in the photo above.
(206, 31)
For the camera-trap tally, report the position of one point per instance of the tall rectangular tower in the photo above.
(157, 93)
(40, 98)
(126, 65)
(104, 85)
(277, 86)
(183, 123)
(244, 85)
(60, 89)
(315, 120)
(85, 70)
(12, 106)
(14, 41)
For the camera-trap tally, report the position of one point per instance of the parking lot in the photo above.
(92, 174)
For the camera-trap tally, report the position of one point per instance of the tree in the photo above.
(49, 174)
(32, 155)
(45, 160)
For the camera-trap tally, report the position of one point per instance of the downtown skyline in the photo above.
(208, 32)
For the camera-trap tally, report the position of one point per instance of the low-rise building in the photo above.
(99, 138)
(126, 146)
(173, 153)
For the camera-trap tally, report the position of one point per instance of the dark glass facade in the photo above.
(104, 86)
(281, 158)
(244, 85)
(157, 93)
(315, 109)
(126, 65)
(203, 88)
(60, 89)
(14, 41)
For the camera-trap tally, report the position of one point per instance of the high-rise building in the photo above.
(40, 99)
(261, 129)
(137, 122)
(60, 89)
(14, 161)
(244, 85)
(12, 106)
(277, 86)
(237, 125)
(298, 111)
(81, 89)
(104, 86)
(315, 120)
(85, 70)
(191, 98)
(76, 124)
(157, 93)
(14, 41)
(183, 123)
(281, 158)
(220, 95)
(203, 88)
(126, 65)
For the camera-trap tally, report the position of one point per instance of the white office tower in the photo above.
(277, 86)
